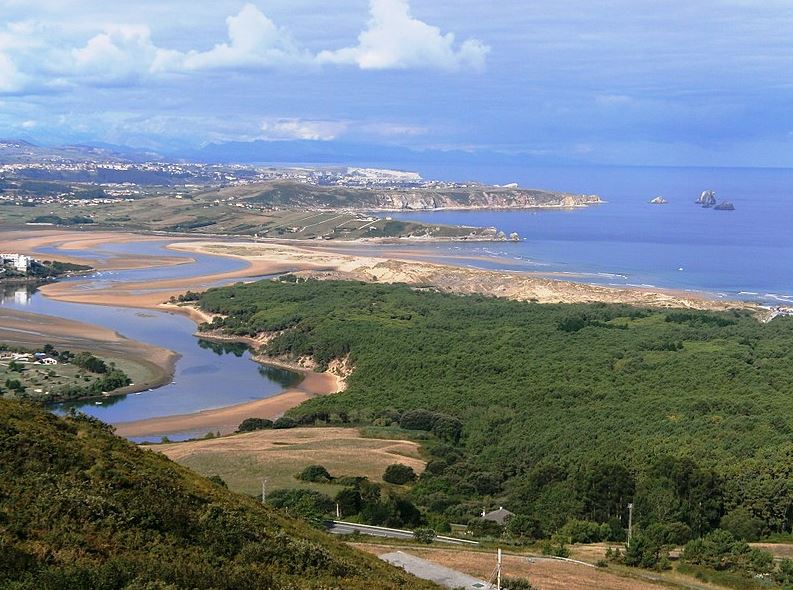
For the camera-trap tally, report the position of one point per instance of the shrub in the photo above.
(252, 424)
(742, 524)
(584, 531)
(284, 422)
(523, 527)
(424, 535)
(648, 548)
(418, 420)
(479, 527)
(399, 474)
(720, 550)
(516, 584)
(556, 546)
(315, 473)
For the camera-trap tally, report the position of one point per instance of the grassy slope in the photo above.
(82, 508)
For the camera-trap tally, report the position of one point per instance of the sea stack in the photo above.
(707, 199)
(659, 201)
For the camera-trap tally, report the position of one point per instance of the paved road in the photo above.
(426, 570)
(348, 528)
(343, 528)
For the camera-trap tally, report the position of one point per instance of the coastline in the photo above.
(320, 261)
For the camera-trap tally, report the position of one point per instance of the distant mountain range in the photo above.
(355, 154)
(22, 151)
(270, 152)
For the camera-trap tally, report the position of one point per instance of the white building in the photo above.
(19, 261)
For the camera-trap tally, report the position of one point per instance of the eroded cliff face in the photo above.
(420, 200)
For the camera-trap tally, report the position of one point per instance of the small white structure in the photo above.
(49, 361)
(20, 262)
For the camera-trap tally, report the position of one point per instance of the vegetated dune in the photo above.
(327, 264)
(82, 508)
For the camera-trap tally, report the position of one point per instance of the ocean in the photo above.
(743, 254)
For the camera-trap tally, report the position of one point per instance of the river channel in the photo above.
(207, 375)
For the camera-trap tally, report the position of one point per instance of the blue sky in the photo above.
(706, 82)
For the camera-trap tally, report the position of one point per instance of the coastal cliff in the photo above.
(293, 195)
(484, 198)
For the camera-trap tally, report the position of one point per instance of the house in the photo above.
(500, 516)
(19, 261)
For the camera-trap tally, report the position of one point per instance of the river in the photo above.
(207, 375)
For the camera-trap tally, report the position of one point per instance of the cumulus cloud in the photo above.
(395, 39)
(39, 56)
(121, 53)
(316, 130)
(254, 41)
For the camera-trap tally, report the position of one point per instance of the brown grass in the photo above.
(243, 460)
(542, 573)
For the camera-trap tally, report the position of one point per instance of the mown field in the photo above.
(243, 460)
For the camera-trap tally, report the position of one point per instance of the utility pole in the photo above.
(630, 522)
(264, 491)
(496, 574)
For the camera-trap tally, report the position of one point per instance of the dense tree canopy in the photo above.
(556, 411)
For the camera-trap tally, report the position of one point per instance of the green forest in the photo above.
(563, 414)
(82, 508)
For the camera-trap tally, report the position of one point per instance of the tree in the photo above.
(315, 473)
(521, 526)
(309, 505)
(648, 548)
(349, 502)
(252, 424)
(418, 420)
(742, 524)
(284, 422)
(720, 550)
(399, 474)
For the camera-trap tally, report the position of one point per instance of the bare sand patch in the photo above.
(323, 263)
(226, 420)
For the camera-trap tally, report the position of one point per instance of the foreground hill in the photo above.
(561, 411)
(82, 508)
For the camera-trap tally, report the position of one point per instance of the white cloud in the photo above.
(121, 53)
(42, 56)
(10, 78)
(395, 39)
(317, 130)
(254, 41)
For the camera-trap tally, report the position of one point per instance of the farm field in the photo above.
(243, 460)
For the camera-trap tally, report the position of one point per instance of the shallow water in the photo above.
(207, 376)
(741, 254)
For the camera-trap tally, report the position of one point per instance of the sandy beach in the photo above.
(226, 420)
(148, 365)
(347, 262)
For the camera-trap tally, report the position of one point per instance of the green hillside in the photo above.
(567, 411)
(83, 509)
